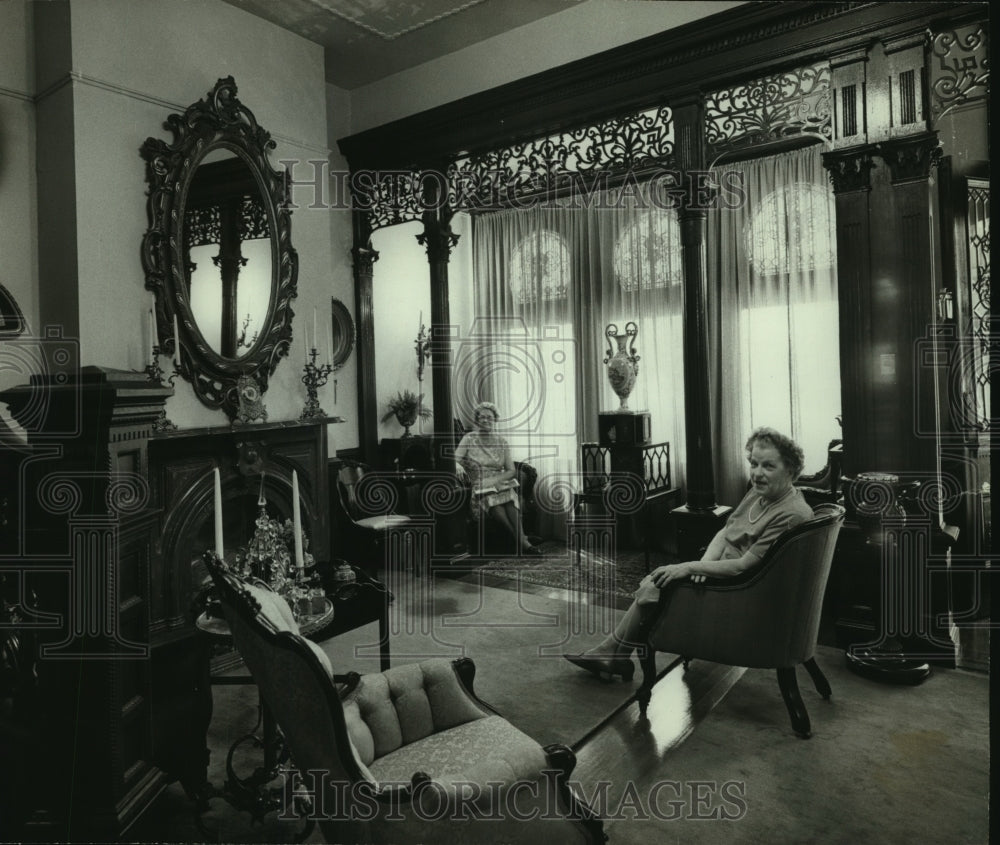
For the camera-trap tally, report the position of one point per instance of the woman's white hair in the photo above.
(485, 406)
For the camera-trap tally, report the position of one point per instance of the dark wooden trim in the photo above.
(364, 268)
(701, 56)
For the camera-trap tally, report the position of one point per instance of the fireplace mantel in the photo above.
(249, 457)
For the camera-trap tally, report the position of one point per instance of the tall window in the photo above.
(773, 283)
(561, 275)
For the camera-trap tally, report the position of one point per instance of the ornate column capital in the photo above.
(364, 259)
(910, 159)
(850, 170)
(438, 238)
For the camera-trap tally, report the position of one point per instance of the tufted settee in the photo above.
(406, 755)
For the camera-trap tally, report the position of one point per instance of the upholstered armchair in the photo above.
(484, 537)
(768, 618)
(406, 755)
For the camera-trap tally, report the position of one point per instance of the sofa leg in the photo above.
(819, 679)
(793, 701)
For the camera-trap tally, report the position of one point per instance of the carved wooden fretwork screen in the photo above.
(958, 67)
(639, 145)
(771, 108)
(582, 160)
(203, 224)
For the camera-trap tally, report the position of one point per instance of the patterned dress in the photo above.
(485, 455)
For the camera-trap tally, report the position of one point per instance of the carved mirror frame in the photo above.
(219, 121)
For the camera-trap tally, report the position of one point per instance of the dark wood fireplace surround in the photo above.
(106, 506)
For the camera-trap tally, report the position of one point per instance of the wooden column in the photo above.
(850, 172)
(439, 239)
(364, 262)
(909, 244)
(700, 517)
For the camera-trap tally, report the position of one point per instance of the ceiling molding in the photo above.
(331, 8)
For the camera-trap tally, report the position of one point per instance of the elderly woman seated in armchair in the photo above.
(770, 507)
(484, 457)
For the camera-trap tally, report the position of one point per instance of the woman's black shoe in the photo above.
(604, 667)
(533, 551)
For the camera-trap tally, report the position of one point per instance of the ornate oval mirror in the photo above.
(218, 253)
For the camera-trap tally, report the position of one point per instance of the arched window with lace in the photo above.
(775, 261)
(647, 253)
(648, 277)
(539, 268)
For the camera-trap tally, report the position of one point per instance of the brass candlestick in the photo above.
(155, 374)
(313, 378)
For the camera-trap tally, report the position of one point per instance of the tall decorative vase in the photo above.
(622, 361)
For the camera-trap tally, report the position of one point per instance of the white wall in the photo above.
(400, 296)
(579, 31)
(18, 198)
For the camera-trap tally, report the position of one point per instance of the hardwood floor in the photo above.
(885, 763)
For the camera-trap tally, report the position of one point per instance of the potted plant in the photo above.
(406, 407)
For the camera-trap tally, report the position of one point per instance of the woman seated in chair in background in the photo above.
(485, 457)
(770, 507)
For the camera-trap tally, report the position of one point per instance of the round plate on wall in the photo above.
(343, 333)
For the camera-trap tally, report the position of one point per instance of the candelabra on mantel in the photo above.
(155, 374)
(314, 377)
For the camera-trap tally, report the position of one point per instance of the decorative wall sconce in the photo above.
(422, 345)
(945, 306)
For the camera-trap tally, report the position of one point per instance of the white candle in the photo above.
(177, 343)
(305, 340)
(152, 335)
(315, 335)
(420, 327)
(261, 501)
(297, 521)
(219, 547)
(328, 345)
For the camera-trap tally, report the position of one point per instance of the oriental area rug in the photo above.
(609, 579)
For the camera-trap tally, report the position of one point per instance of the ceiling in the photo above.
(366, 40)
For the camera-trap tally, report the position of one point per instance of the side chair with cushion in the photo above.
(406, 755)
(362, 518)
(768, 618)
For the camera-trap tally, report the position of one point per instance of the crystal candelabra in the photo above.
(313, 378)
(155, 374)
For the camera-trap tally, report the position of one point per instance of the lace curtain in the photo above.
(547, 282)
(773, 312)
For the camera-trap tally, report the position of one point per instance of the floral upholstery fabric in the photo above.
(481, 751)
(406, 704)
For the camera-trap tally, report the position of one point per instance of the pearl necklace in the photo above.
(750, 516)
